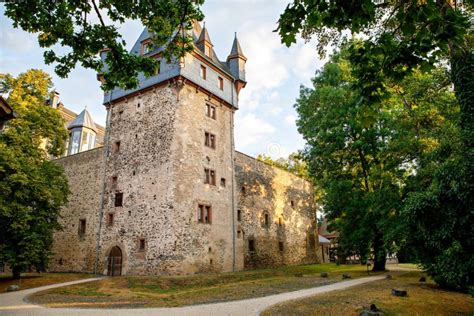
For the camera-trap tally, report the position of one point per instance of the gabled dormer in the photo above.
(204, 43)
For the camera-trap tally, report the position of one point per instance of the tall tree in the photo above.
(32, 188)
(87, 27)
(400, 36)
(363, 159)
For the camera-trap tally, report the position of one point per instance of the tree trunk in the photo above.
(16, 272)
(380, 254)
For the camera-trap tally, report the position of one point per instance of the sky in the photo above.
(265, 121)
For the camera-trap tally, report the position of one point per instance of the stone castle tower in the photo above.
(168, 193)
(170, 163)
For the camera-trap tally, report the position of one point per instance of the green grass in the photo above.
(423, 299)
(195, 289)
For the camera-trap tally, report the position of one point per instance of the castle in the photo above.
(161, 190)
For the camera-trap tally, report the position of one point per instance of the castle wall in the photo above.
(73, 251)
(288, 202)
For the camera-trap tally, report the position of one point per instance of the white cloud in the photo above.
(290, 120)
(250, 129)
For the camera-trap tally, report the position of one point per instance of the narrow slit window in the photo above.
(223, 182)
(116, 146)
(267, 219)
(110, 219)
(82, 227)
(239, 215)
(203, 72)
(280, 245)
(118, 199)
(141, 244)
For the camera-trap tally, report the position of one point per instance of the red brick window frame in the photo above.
(204, 214)
(146, 46)
(209, 176)
(211, 111)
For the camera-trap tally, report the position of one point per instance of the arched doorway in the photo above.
(114, 266)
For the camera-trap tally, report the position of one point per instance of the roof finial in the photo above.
(85, 107)
(235, 33)
(204, 24)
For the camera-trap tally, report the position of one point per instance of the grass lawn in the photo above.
(154, 291)
(422, 299)
(30, 280)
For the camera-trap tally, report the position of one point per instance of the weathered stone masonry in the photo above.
(142, 196)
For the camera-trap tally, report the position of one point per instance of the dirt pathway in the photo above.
(14, 304)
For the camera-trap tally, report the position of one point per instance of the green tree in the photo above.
(32, 188)
(399, 37)
(361, 159)
(87, 27)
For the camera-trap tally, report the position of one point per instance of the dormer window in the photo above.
(220, 82)
(147, 46)
(207, 50)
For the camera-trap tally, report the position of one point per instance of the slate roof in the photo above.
(84, 119)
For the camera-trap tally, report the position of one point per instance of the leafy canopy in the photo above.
(87, 27)
(32, 187)
(362, 160)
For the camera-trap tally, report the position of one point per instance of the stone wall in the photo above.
(74, 251)
(277, 214)
(159, 169)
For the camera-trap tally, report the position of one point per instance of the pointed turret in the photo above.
(236, 62)
(82, 133)
(204, 42)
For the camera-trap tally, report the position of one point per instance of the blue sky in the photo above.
(265, 122)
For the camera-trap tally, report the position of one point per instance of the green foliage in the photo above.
(32, 188)
(364, 159)
(295, 163)
(84, 27)
(399, 37)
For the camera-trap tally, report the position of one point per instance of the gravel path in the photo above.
(13, 303)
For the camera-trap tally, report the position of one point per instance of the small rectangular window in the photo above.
(210, 111)
(223, 182)
(239, 215)
(221, 83)
(118, 199)
(280, 245)
(82, 227)
(141, 245)
(116, 146)
(203, 72)
(209, 176)
(210, 140)
(204, 214)
(110, 219)
(280, 221)
(147, 46)
(292, 203)
(251, 245)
